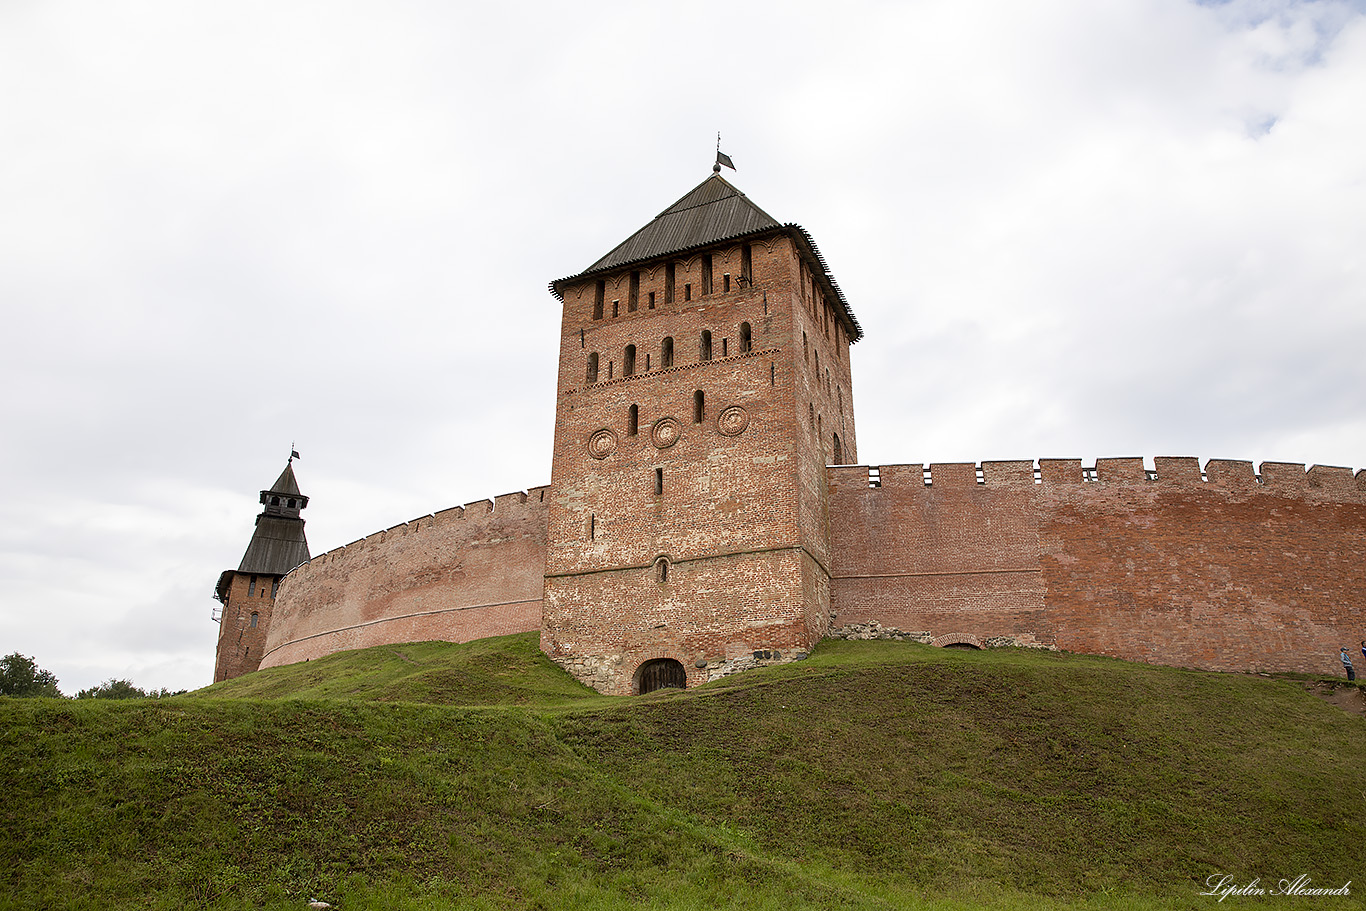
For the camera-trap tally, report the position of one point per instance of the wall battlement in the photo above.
(1220, 567)
(531, 499)
(462, 573)
(1319, 482)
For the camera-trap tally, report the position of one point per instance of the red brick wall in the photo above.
(462, 574)
(1230, 573)
(742, 517)
(240, 642)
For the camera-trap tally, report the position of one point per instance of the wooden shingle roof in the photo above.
(713, 212)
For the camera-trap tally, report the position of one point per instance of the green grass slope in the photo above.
(873, 775)
(507, 670)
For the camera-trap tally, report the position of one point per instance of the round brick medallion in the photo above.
(732, 421)
(666, 432)
(602, 444)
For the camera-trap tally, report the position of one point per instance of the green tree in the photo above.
(21, 676)
(113, 689)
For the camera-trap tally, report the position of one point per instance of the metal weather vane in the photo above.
(721, 157)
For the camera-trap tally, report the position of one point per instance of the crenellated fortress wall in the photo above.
(463, 573)
(1222, 568)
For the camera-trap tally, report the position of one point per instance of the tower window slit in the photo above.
(628, 361)
(633, 420)
(592, 376)
(659, 481)
(706, 274)
(669, 283)
(687, 292)
(699, 407)
(616, 309)
(633, 295)
(725, 281)
(704, 351)
(745, 340)
(666, 352)
(599, 294)
(746, 265)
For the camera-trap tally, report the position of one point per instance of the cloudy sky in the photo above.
(1069, 228)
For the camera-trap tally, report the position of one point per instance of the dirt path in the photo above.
(1345, 696)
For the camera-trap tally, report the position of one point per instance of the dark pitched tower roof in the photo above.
(278, 543)
(285, 483)
(713, 212)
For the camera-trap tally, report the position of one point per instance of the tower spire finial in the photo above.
(721, 157)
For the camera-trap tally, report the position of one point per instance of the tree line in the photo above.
(21, 677)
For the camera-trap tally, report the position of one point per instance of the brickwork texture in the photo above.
(704, 513)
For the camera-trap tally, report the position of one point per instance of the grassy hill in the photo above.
(873, 775)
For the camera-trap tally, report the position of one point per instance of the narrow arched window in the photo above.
(666, 352)
(745, 340)
(705, 348)
(254, 618)
(633, 420)
(599, 295)
(699, 407)
(592, 367)
(662, 569)
(274, 501)
(628, 363)
(839, 453)
(746, 266)
(706, 274)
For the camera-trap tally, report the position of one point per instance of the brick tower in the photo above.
(247, 594)
(704, 385)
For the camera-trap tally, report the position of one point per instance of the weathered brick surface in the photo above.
(464, 573)
(741, 535)
(738, 510)
(244, 625)
(1230, 573)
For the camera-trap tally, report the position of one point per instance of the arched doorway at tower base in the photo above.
(660, 673)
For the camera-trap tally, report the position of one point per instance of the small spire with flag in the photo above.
(721, 157)
(293, 453)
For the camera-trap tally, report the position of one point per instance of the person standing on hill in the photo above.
(1347, 664)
